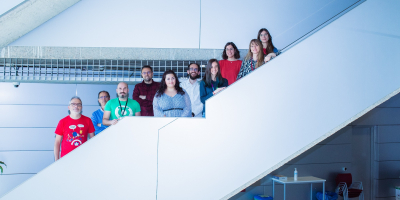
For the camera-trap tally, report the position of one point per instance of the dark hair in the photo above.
(108, 94)
(237, 53)
(163, 85)
(207, 76)
(198, 66)
(270, 46)
(98, 96)
(147, 66)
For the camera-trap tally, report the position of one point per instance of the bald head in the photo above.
(122, 91)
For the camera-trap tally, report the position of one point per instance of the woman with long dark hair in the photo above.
(269, 49)
(230, 65)
(212, 82)
(253, 59)
(171, 100)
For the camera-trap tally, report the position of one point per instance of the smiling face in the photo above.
(122, 90)
(170, 80)
(193, 71)
(147, 74)
(264, 37)
(214, 68)
(75, 106)
(230, 51)
(254, 48)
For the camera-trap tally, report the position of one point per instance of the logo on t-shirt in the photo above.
(128, 111)
(75, 136)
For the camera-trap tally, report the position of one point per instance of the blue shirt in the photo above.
(97, 119)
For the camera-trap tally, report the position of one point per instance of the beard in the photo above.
(123, 95)
(193, 77)
(147, 79)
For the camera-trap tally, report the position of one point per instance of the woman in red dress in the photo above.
(230, 65)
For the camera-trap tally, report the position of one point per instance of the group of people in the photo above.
(168, 98)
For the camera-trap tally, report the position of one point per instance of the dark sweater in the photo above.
(149, 90)
(207, 92)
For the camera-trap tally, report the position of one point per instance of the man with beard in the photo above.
(120, 107)
(192, 87)
(144, 92)
(73, 130)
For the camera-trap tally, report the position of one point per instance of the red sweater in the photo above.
(230, 69)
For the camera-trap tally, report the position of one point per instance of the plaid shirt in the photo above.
(148, 90)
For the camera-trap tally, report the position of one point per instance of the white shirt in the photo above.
(193, 91)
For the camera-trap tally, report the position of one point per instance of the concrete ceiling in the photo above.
(27, 16)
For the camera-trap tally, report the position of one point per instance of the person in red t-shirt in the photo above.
(73, 130)
(230, 65)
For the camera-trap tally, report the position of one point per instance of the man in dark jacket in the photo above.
(144, 92)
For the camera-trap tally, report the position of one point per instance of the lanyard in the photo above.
(213, 87)
(122, 112)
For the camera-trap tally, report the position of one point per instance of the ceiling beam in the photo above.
(29, 15)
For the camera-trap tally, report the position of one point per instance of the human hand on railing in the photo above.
(219, 90)
(115, 121)
(269, 57)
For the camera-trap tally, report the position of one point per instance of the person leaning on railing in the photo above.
(212, 82)
(253, 59)
(171, 100)
(230, 65)
(269, 49)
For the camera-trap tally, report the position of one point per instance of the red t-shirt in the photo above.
(74, 132)
(230, 69)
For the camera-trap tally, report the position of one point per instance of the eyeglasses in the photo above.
(76, 104)
(144, 73)
(103, 97)
(193, 69)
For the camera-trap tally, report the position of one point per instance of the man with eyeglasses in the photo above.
(192, 87)
(144, 92)
(72, 131)
(120, 107)
(97, 116)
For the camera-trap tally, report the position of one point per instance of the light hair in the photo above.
(260, 55)
(74, 97)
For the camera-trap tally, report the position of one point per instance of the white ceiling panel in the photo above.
(121, 23)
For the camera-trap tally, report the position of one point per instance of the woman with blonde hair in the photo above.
(253, 59)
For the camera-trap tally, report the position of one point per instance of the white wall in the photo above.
(30, 114)
(176, 24)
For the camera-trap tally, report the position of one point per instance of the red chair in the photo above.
(347, 188)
